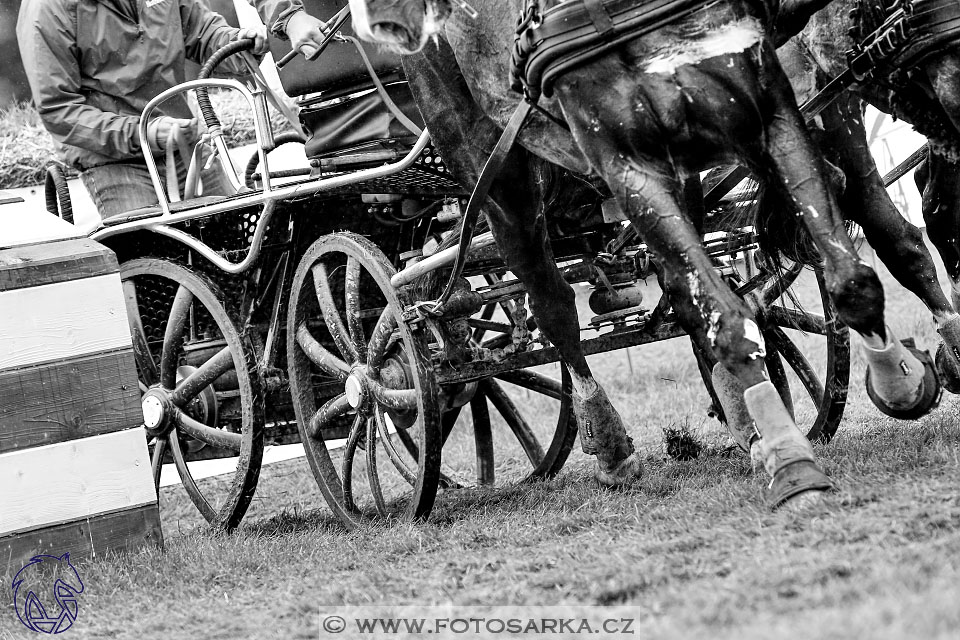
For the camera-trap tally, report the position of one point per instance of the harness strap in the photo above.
(602, 21)
(491, 169)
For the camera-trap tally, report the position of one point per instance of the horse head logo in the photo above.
(43, 581)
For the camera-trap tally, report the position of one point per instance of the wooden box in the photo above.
(74, 467)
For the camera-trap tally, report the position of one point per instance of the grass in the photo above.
(689, 552)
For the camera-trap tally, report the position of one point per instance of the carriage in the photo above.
(296, 309)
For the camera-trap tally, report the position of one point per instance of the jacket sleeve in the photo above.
(46, 34)
(204, 32)
(273, 10)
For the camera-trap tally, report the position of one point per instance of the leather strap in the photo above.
(489, 173)
(602, 21)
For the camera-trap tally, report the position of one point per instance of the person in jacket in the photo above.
(94, 64)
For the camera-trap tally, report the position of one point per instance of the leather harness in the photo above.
(552, 42)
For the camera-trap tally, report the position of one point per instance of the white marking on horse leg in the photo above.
(751, 333)
(583, 386)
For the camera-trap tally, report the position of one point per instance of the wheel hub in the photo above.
(356, 389)
(156, 412)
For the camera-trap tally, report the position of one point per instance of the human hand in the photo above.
(184, 132)
(306, 33)
(259, 36)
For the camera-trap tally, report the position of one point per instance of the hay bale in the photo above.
(26, 147)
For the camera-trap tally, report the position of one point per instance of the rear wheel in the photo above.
(363, 392)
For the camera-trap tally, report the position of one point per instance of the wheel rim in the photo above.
(344, 343)
(516, 427)
(201, 392)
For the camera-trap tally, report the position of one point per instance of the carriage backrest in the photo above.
(340, 69)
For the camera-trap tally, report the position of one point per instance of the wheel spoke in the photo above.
(483, 439)
(319, 355)
(798, 362)
(373, 477)
(203, 377)
(331, 410)
(391, 449)
(377, 350)
(141, 349)
(351, 292)
(783, 282)
(208, 512)
(177, 320)
(156, 462)
(521, 430)
(394, 399)
(349, 451)
(534, 381)
(796, 319)
(331, 315)
(447, 422)
(209, 435)
(778, 376)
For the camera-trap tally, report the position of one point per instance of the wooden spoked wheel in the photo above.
(362, 389)
(517, 426)
(808, 349)
(201, 391)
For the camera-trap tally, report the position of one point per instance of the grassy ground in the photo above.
(689, 552)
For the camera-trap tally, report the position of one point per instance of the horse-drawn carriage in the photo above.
(303, 307)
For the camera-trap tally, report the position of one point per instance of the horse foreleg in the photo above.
(898, 382)
(719, 320)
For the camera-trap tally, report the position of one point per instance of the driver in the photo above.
(94, 64)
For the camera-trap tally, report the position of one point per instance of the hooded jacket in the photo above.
(94, 64)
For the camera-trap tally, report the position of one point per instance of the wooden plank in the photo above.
(67, 400)
(51, 262)
(126, 530)
(62, 320)
(75, 479)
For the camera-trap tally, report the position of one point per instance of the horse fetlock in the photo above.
(729, 390)
(602, 433)
(948, 355)
(781, 442)
(858, 296)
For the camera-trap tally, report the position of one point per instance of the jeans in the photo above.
(125, 186)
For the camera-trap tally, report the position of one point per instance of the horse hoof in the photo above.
(627, 471)
(948, 368)
(793, 481)
(930, 390)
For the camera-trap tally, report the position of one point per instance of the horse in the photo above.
(645, 116)
(927, 95)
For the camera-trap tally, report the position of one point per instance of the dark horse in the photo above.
(645, 116)
(927, 95)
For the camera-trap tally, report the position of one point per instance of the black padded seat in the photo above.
(360, 123)
(339, 70)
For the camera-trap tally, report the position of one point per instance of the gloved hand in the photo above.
(259, 36)
(305, 33)
(185, 132)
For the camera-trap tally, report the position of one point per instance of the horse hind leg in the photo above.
(901, 380)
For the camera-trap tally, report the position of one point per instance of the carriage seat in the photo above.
(340, 107)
